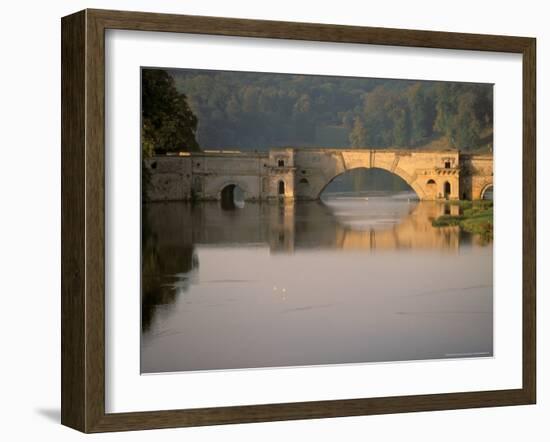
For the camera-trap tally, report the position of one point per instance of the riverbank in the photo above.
(475, 217)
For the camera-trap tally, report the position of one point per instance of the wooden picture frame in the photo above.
(83, 220)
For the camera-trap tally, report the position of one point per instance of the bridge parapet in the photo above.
(303, 173)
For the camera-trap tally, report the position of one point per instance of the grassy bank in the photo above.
(476, 217)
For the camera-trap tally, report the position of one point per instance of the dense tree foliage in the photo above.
(257, 111)
(168, 124)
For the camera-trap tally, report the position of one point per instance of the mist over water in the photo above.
(356, 277)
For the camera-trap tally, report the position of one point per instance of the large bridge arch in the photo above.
(412, 184)
(426, 172)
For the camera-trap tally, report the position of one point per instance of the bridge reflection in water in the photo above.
(174, 234)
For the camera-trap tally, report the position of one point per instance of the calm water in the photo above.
(362, 278)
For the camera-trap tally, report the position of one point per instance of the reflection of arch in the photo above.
(413, 184)
(488, 187)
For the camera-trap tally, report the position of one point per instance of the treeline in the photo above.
(185, 109)
(417, 113)
(258, 111)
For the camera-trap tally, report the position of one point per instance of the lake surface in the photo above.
(355, 278)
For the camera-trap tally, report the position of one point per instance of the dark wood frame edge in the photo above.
(83, 215)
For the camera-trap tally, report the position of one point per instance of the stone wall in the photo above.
(169, 178)
(476, 175)
(291, 173)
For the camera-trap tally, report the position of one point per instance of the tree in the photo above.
(401, 127)
(458, 114)
(168, 124)
(422, 112)
(358, 135)
(468, 127)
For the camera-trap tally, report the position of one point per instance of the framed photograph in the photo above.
(269, 220)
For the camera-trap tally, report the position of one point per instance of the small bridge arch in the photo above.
(227, 189)
(485, 189)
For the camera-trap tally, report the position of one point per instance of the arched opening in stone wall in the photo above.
(487, 193)
(281, 188)
(369, 200)
(232, 197)
(431, 189)
(368, 182)
(446, 190)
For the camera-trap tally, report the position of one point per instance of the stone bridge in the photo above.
(303, 173)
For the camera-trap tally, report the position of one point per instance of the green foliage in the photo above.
(447, 220)
(476, 217)
(462, 111)
(421, 103)
(252, 111)
(168, 124)
(358, 135)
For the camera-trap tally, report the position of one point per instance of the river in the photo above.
(354, 278)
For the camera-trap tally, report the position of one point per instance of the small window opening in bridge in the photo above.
(232, 197)
(281, 163)
(198, 164)
(154, 165)
(447, 164)
(304, 181)
(431, 183)
(446, 189)
(303, 172)
(447, 209)
(487, 193)
(281, 189)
